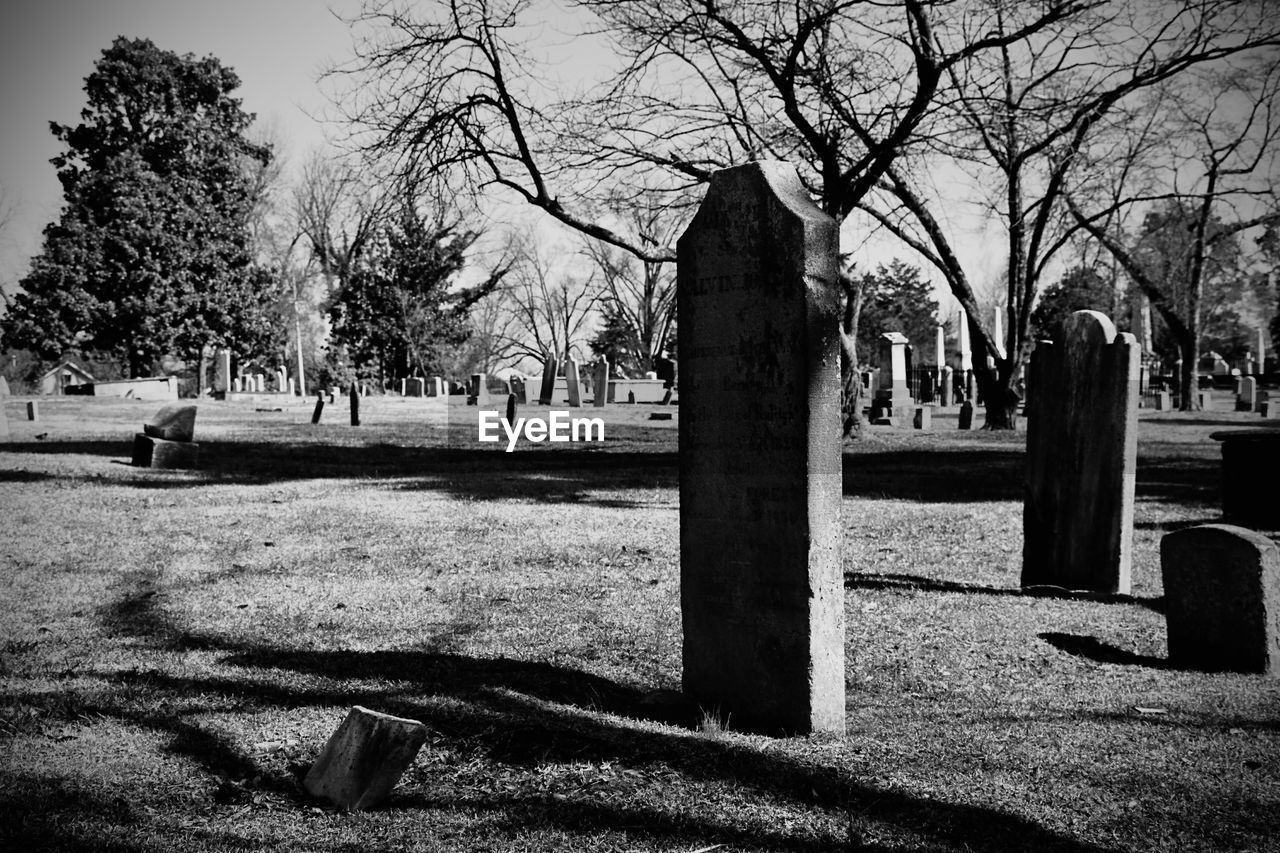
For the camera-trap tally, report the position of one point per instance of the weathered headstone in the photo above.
(946, 387)
(173, 423)
(600, 384)
(923, 418)
(416, 386)
(364, 759)
(235, 385)
(512, 405)
(166, 441)
(1222, 599)
(1248, 399)
(33, 410)
(1082, 450)
(354, 396)
(760, 483)
(319, 410)
(435, 387)
(572, 382)
(1164, 401)
(550, 366)
(893, 395)
(966, 416)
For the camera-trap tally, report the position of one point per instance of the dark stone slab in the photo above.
(1222, 599)
(1250, 468)
(1082, 450)
(762, 597)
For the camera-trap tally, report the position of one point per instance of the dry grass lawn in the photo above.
(175, 647)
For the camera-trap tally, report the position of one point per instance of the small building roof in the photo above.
(69, 365)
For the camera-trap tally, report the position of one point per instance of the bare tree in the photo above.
(838, 87)
(1021, 122)
(1210, 173)
(552, 307)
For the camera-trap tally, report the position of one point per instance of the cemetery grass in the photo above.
(175, 647)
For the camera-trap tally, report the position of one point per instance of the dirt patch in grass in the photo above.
(175, 647)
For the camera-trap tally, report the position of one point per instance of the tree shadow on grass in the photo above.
(1096, 650)
(935, 475)
(507, 718)
(896, 581)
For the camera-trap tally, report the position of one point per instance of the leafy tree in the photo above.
(1081, 288)
(400, 312)
(150, 255)
(896, 298)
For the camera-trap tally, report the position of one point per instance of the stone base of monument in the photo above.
(152, 452)
(364, 759)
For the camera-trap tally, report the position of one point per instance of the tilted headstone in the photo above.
(1082, 447)
(550, 366)
(173, 423)
(1222, 599)
(364, 759)
(572, 382)
(601, 383)
(33, 410)
(319, 410)
(762, 594)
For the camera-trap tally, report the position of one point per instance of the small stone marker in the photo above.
(548, 388)
(173, 423)
(966, 415)
(511, 409)
(416, 386)
(33, 410)
(600, 383)
(1082, 449)
(319, 410)
(1164, 401)
(480, 388)
(235, 385)
(761, 580)
(572, 382)
(1222, 599)
(923, 418)
(355, 406)
(1248, 399)
(364, 759)
(166, 441)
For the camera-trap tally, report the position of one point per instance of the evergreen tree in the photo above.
(150, 255)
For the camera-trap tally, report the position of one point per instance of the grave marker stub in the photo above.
(761, 586)
(1082, 447)
(573, 382)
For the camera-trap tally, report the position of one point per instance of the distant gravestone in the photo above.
(222, 376)
(4, 387)
(1222, 599)
(946, 388)
(235, 385)
(600, 383)
(762, 595)
(354, 396)
(480, 388)
(512, 407)
(33, 410)
(1248, 400)
(416, 386)
(1082, 449)
(573, 382)
(893, 395)
(364, 759)
(550, 366)
(923, 418)
(966, 416)
(435, 387)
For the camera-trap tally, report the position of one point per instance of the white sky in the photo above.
(277, 47)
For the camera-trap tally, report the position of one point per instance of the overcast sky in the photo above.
(47, 48)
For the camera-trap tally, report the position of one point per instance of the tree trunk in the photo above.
(1188, 379)
(1000, 399)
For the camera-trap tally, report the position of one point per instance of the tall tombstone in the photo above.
(550, 365)
(1248, 399)
(354, 396)
(572, 382)
(946, 386)
(893, 393)
(222, 375)
(761, 580)
(1082, 448)
(480, 388)
(601, 382)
